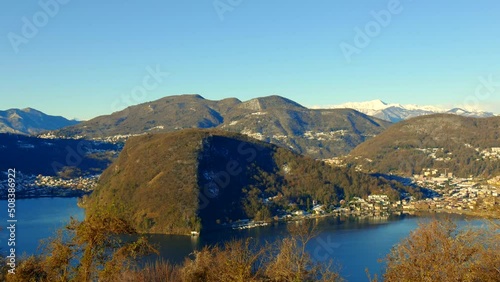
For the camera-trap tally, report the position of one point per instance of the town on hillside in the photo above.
(31, 186)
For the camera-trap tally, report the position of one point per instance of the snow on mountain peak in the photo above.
(398, 112)
(371, 105)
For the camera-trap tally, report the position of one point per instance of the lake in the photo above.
(37, 219)
(353, 243)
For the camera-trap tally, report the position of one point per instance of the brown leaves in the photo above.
(439, 251)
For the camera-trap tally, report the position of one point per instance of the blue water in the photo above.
(354, 244)
(37, 219)
(351, 243)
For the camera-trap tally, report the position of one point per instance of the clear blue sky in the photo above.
(91, 54)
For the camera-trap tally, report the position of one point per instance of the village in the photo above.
(458, 195)
(32, 186)
(449, 194)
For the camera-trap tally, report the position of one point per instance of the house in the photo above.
(299, 212)
(319, 209)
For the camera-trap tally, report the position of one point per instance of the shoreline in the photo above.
(416, 213)
(238, 226)
(55, 193)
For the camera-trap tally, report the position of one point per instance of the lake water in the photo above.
(37, 219)
(355, 244)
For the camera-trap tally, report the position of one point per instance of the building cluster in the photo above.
(446, 193)
(491, 153)
(86, 183)
(467, 198)
(373, 205)
(494, 181)
(321, 136)
(41, 186)
(108, 139)
(456, 194)
(475, 199)
(437, 154)
(337, 161)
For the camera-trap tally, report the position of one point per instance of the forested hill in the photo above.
(192, 179)
(462, 145)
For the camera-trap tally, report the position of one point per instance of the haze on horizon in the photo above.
(84, 59)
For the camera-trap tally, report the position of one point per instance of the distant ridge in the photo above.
(273, 119)
(29, 121)
(464, 146)
(398, 112)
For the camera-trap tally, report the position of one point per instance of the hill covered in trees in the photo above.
(201, 179)
(462, 145)
(317, 133)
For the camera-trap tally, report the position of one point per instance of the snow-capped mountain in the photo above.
(398, 112)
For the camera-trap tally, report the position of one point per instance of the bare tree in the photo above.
(439, 251)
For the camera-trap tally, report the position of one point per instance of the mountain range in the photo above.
(319, 133)
(398, 112)
(29, 121)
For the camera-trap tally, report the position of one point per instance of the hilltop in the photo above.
(202, 179)
(464, 146)
(274, 119)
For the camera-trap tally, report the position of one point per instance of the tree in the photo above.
(439, 251)
(90, 250)
(293, 262)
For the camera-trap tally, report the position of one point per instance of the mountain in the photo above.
(398, 112)
(30, 121)
(197, 179)
(464, 146)
(278, 120)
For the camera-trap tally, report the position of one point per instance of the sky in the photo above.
(84, 58)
